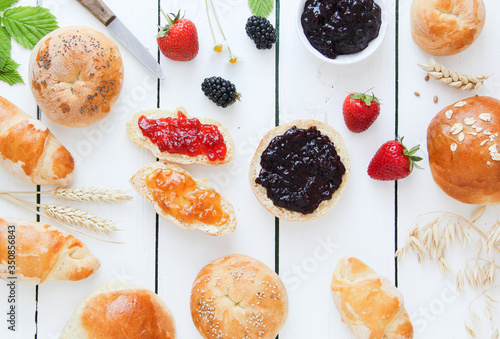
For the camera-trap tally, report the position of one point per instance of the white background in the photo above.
(362, 224)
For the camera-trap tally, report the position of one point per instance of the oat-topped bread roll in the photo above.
(75, 75)
(178, 137)
(238, 296)
(43, 253)
(185, 201)
(118, 310)
(446, 27)
(300, 170)
(463, 145)
(368, 303)
(29, 151)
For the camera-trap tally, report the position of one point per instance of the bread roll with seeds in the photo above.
(368, 303)
(238, 296)
(446, 27)
(135, 133)
(463, 145)
(75, 75)
(119, 310)
(43, 253)
(161, 202)
(256, 167)
(29, 151)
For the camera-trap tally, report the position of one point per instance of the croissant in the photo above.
(35, 253)
(368, 303)
(29, 151)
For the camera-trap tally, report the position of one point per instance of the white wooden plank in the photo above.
(20, 95)
(183, 253)
(362, 222)
(436, 309)
(106, 157)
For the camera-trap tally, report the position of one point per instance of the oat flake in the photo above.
(494, 152)
(460, 104)
(469, 121)
(457, 128)
(449, 113)
(485, 116)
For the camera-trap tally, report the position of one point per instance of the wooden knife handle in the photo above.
(99, 10)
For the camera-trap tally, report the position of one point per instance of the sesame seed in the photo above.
(453, 147)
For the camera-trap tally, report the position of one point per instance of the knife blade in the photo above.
(102, 12)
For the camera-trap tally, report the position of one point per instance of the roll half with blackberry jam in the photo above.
(300, 170)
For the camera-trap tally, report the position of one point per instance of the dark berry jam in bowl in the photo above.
(341, 31)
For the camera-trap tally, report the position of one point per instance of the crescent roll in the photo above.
(368, 303)
(37, 253)
(29, 151)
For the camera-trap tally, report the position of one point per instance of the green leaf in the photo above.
(5, 46)
(27, 25)
(9, 73)
(261, 7)
(4, 4)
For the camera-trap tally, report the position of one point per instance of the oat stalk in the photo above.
(83, 194)
(431, 240)
(27, 205)
(453, 79)
(489, 301)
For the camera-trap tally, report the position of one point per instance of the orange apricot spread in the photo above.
(179, 196)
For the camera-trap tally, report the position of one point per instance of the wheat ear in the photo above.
(76, 216)
(83, 194)
(73, 216)
(26, 206)
(453, 79)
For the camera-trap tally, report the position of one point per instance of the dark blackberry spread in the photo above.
(300, 169)
(337, 27)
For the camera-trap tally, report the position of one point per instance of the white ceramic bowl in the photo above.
(346, 58)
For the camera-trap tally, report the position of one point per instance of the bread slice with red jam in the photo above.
(177, 137)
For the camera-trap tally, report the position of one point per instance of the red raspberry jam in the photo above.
(184, 136)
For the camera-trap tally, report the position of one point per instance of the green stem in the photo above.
(217, 20)
(210, 21)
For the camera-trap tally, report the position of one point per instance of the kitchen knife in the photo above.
(122, 34)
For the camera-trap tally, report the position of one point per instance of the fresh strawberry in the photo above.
(360, 111)
(393, 161)
(179, 39)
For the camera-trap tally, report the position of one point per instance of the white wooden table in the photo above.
(370, 221)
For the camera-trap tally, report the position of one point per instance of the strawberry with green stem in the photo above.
(393, 161)
(360, 111)
(218, 46)
(178, 40)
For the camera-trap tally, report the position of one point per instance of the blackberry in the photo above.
(261, 31)
(220, 91)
